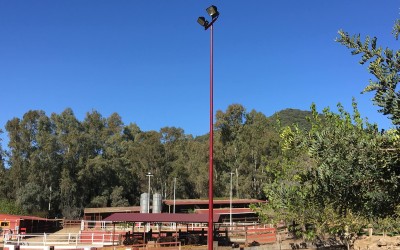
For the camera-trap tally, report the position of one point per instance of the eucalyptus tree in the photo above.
(245, 143)
(117, 197)
(229, 125)
(128, 169)
(94, 174)
(172, 139)
(177, 163)
(71, 142)
(260, 146)
(146, 154)
(114, 152)
(4, 179)
(20, 152)
(106, 169)
(195, 168)
(33, 164)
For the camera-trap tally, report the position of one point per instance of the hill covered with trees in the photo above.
(290, 117)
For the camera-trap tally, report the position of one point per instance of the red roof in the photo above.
(225, 211)
(19, 217)
(162, 217)
(98, 210)
(216, 202)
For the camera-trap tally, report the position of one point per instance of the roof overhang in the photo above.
(134, 209)
(226, 211)
(215, 202)
(161, 217)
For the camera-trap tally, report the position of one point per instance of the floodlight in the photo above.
(212, 11)
(202, 21)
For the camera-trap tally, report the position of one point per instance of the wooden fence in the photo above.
(248, 234)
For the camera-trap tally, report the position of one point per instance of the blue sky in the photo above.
(149, 60)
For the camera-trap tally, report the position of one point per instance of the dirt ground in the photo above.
(373, 242)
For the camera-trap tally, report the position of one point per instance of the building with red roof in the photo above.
(15, 224)
(240, 209)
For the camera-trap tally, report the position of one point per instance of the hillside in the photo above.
(290, 117)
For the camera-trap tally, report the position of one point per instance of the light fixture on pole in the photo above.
(213, 12)
(148, 195)
(202, 21)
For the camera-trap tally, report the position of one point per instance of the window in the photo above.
(4, 224)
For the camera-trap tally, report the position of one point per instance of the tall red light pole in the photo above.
(213, 12)
(211, 149)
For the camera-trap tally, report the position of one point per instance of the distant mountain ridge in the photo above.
(289, 117)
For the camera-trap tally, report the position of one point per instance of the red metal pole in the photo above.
(211, 150)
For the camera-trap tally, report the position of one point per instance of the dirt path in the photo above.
(60, 235)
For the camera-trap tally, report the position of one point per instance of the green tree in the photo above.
(101, 200)
(10, 207)
(46, 163)
(384, 65)
(30, 197)
(245, 142)
(127, 171)
(32, 160)
(195, 168)
(4, 173)
(259, 145)
(229, 147)
(146, 154)
(72, 143)
(68, 195)
(94, 174)
(117, 197)
(340, 167)
(115, 150)
(101, 162)
(176, 162)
